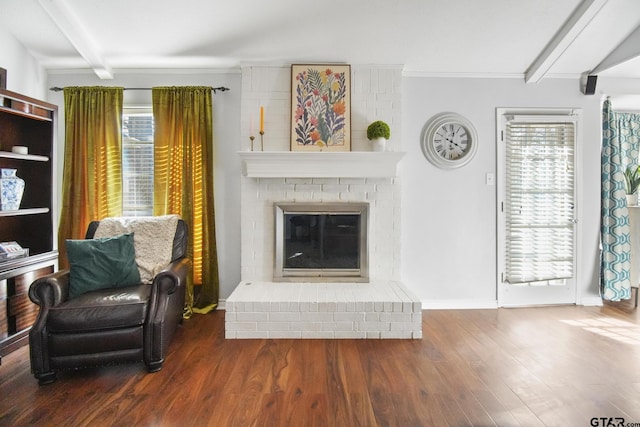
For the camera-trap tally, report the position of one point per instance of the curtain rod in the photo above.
(214, 89)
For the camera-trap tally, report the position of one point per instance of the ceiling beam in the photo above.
(580, 18)
(628, 49)
(76, 32)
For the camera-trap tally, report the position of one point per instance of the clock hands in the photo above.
(451, 141)
(447, 145)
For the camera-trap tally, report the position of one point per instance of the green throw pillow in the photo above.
(106, 262)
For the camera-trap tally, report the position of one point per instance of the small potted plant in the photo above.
(378, 132)
(632, 182)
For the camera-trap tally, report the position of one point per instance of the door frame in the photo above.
(534, 295)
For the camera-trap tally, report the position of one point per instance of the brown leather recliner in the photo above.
(108, 326)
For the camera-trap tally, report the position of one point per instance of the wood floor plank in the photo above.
(361, 410)
(516, 406)
(527, 367)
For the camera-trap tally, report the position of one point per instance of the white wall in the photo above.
(226, 125)
(24, 74)
(624, 93)
(449, 216)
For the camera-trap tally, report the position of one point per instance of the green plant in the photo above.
(632, 179)
(378, 129)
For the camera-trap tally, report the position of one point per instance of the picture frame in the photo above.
(320, 107)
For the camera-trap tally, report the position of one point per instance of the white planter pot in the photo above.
(379, 144)
(632, 199)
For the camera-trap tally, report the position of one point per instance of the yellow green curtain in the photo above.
(183, 181)
(92, 175)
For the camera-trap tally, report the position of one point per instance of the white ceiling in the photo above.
(431, 37)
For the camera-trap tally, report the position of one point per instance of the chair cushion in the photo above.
(101, 263)
(102, 309)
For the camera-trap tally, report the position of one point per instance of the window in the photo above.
(137, 162)
(539, 200)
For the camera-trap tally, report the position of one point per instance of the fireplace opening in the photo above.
(322, 241)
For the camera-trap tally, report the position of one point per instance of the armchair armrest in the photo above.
(166, 306)
(50, 290)
(167, 290)
(172, 277)
(46, 291)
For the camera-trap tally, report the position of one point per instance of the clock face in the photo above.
(449, 140)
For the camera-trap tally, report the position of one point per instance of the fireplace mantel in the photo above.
(288, 164)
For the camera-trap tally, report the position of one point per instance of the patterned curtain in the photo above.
(183, 181)
(92, 175)
(620, 141)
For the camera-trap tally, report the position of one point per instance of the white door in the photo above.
(536, 206)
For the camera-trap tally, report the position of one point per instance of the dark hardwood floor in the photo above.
(556, 366)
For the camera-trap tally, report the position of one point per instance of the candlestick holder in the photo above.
(261, 140)
(252, 138)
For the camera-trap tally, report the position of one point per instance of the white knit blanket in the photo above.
(153, 240)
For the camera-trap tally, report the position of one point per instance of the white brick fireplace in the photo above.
(260, 308)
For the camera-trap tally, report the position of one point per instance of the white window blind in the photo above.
(137, 163)
(539, 201)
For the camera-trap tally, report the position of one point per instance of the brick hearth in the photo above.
(384, 309)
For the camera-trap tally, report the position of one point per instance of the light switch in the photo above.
(489, 178)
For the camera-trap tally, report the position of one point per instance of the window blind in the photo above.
(137, 164)
(539, 202)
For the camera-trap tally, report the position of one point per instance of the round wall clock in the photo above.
(449, 140)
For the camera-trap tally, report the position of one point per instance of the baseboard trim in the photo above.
(591, 302)
(459, 304)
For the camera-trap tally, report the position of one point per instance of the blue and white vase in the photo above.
(11, 189)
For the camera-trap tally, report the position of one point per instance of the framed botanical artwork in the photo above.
(320, 107)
